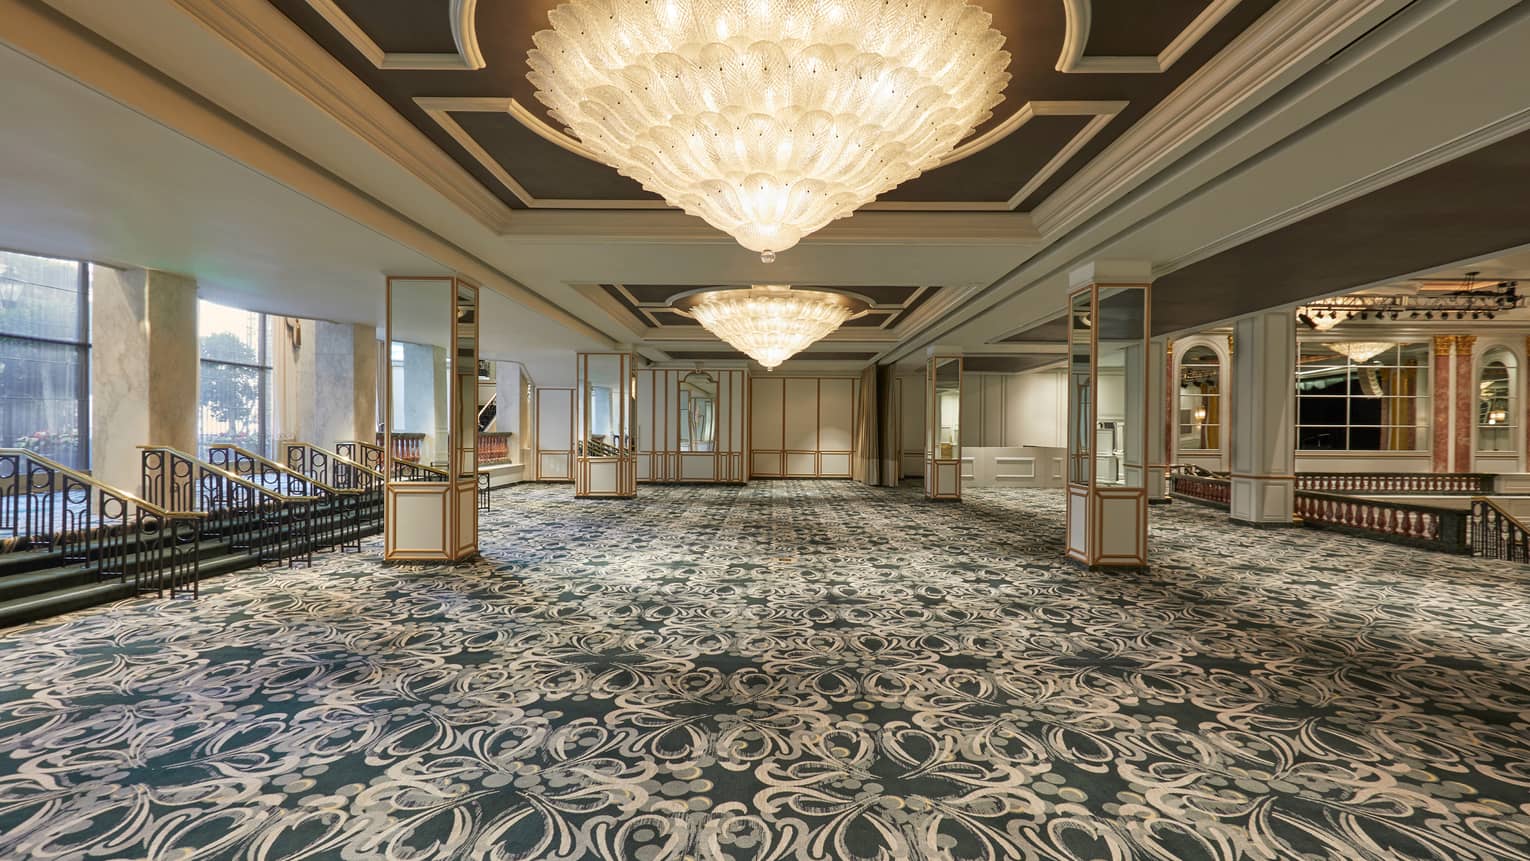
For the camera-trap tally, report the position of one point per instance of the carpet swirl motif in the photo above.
(789, 670)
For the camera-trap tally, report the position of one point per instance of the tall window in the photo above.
(236, 378)
(1362, 396)
(1200, 400)
(45, 357)
(1496, 407)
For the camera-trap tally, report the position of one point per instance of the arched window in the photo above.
(1200, 400)
(1496, 403)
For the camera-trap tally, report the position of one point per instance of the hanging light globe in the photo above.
(770, 323)
(770, 118)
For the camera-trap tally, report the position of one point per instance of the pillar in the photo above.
(1439, 424)
(1109, 418)
(1264, 419)
(1465, 419)
(145, 365)
(1157, 415)
(364, 380)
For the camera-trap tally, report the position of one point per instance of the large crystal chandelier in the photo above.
(770, 118)
(771, 323)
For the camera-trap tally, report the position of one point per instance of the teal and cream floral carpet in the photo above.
(791, 670)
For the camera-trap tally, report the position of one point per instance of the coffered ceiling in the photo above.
(1083, 72)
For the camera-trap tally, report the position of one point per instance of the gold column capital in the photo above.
(1464, 344)
(1443, 344)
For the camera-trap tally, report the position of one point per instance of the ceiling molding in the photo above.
(65, 45)
(1080, 14)
(1101, 111)
(463, 14)
(1509, 126)
(276, 44)
(440, 109)
(1257, 57)
(862, 228)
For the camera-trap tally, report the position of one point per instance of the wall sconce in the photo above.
(1200, 415)
(1497, 417)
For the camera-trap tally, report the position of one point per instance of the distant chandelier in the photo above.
(770, 118)
(770, 324)
(1360, 352)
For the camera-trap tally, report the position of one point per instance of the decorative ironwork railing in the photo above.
(48, 507)
(1497, 534)
(273, 527)
(1395, 483)
(331, 467)
(364, 453)
(1436, 528)
(339, 514)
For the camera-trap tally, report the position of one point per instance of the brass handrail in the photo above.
(289, 471)
(336, 457)
(227, 474)
(101, 485)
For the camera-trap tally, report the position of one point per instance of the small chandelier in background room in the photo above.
(1360, 352)
(770, 118)
(770, 323)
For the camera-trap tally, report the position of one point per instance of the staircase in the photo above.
(487, 414)
(75, 542)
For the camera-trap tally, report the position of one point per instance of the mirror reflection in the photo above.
(1496, 431)
(698, 412)
(605, 427)
(466, 365)
(948, 408)
(1119, 355)
(419, 368)
(1080, 389)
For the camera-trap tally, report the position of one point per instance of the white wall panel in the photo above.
(555, 433)
(660, 458)
(802, 427)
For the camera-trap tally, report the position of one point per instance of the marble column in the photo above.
(1157, 409)
(1464, 423)
(1439, 425)
(364, 412)
(145, 368)
(1264, 419)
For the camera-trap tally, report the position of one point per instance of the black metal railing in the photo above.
(47, 507)
(338, 515)
(368, 455)
(1497, 534)
(273, 527)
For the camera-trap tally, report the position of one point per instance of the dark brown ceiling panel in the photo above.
(1133, 28)
(1474, 206)
(997, 173)
(1008, 364)
(1033, 29)
(1054, 331)
(546, 170)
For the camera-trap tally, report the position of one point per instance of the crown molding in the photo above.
(862, 228)
(1080, 16)
(441, 108)
(1257, 57)
(463, 14)
(57, 41)
(262, 33)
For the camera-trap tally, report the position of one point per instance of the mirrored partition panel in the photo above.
(431, 399)
(697, 408)
(943, 443)
(1107, 425)
(605, 448)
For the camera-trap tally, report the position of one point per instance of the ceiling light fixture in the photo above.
(770, 118)
(1360, 352)
(771, 323)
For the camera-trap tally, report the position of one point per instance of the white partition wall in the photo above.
(691, 425)
(911, 405)
(802, 427)
(554, 424)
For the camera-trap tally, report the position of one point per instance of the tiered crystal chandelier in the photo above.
(770, 118)
(1361, 352)
(770, 323)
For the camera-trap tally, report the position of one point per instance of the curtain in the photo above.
(865, 464)
(891, 441)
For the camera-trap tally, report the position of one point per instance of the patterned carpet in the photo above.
(789, 671)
